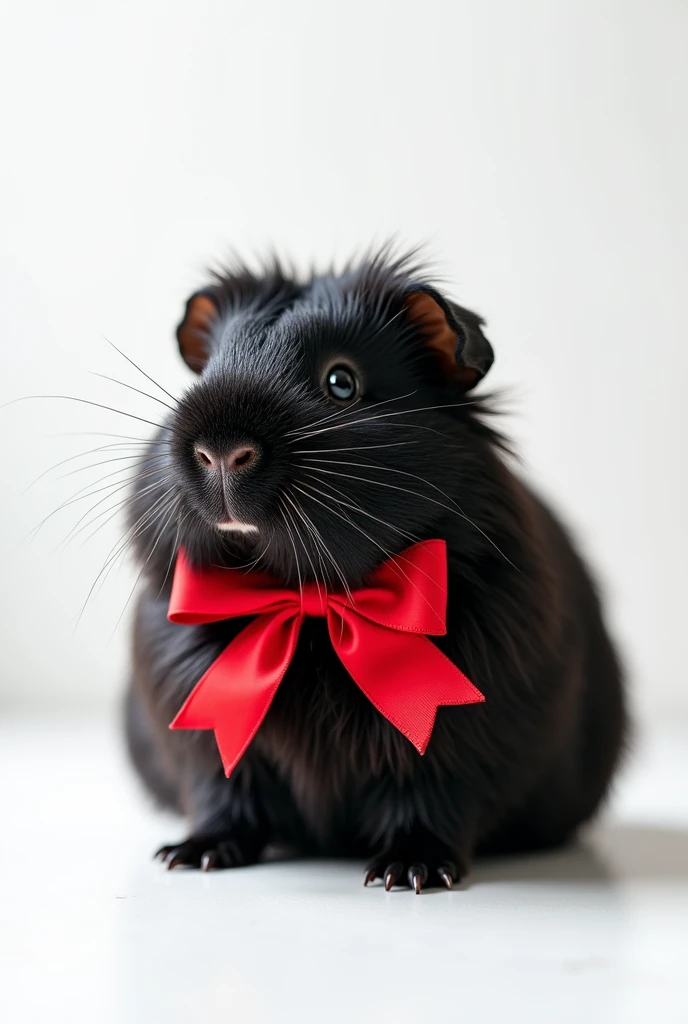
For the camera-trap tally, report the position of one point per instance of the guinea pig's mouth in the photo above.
(236, 526)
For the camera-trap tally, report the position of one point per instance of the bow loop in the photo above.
(409, 591)
(203, 594)
(377, 633)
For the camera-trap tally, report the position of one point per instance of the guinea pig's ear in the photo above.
(193, 333)
(454, 333)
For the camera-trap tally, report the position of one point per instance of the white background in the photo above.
(539, 148)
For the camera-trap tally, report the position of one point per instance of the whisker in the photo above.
(390, 321)
(102, 433)
(388, 415)
(143, 460)
(137, 367)
(175, 548)
(87, 401)
(113, 509)
(350, 411)
(409, 536)
(303, 545)
(317, 534)
(426, 497)
(387, 469)
(161, 531)
(109, 557)
(120, 547)
(388, 554)
(79, 496)
(137, 527)
(355, 423)
(81, 455)
(138, 391)
(248, 566)
(131, 498)
(311, 532)
(358, 508)
(296, 556)
(355, 448)
(330, 416)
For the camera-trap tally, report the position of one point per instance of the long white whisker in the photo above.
(354, 448)
(143, 459)
(358, 508)
(161, 531)
(426, 497)
(118, 486)
(87, 401)
(390, 321)
(137, 367)
(386, 416)
(110, 556)
(138, 391)
(387, 469)
(248, 566)
(349, 411)
(388, 554)
(79, 496)
(106, 433)
(158, 508)
(317, 534)
(80, 455)
(113, 509)
(338, 414)
(175, 548)
(296, 555)
(320, 544)
(303, 545)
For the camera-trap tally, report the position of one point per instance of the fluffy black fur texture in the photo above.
(335, 491)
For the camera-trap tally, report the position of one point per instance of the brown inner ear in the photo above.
(423, 309)
(440, 337)
(193, 332)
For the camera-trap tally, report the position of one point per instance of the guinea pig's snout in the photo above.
(239, 458)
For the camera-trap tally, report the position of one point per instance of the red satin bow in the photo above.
(378, 637)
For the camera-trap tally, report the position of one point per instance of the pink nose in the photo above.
(238, 458)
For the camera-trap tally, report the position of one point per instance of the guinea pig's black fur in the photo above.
(332, 490)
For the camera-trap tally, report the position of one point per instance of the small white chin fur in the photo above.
(237, 527)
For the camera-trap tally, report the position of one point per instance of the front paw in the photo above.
(414, 868)
(210, 852)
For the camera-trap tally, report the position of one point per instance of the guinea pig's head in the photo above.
(329, 426)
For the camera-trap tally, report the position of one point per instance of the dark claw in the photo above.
(208, 860)
(174, 861)
(417, 876)
(163, 853)
(446, 877)
(392, 874)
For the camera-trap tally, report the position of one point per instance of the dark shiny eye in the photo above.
(342, 384)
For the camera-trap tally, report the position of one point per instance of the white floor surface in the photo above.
(92, 930)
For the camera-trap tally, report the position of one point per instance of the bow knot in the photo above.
(380, 634)
(313, 599)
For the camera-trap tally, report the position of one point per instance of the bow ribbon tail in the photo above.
(235, 693)
(402, 674)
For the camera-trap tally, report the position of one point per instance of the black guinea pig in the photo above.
(332, 424)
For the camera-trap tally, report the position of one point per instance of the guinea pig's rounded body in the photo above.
(326, 772)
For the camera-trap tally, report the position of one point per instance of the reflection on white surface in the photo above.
(93, 930)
